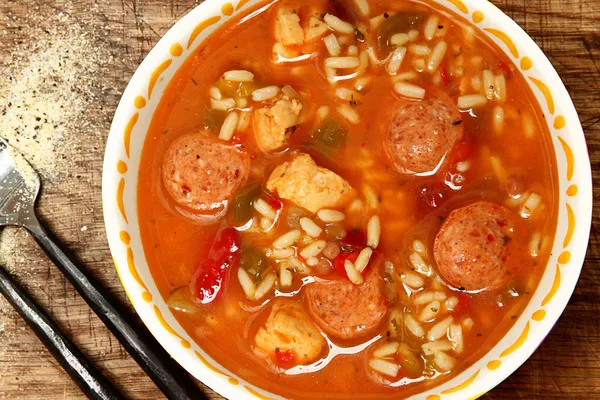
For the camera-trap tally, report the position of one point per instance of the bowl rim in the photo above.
(121, 162)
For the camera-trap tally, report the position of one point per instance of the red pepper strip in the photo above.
(444, 74)
(338, 262)
(285, 357)
(208, 278)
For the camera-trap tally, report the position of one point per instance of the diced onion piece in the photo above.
(238, 75)
(354, 276)
(385, 350)
(373, 232)
(409, 90)
(329, 216)
(338, 25)
(287, 239)
(384, 367)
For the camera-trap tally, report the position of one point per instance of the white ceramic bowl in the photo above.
(120, 178)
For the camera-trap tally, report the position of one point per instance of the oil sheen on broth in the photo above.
(347, 197)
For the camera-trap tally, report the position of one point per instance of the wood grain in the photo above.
(566, 366)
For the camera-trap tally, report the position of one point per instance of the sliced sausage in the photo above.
(471, 247)
(345, 310)
(288, 328)
(421, 133)
(202, 173)
(307, 185)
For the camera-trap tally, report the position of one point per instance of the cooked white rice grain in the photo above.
(247, 284)
(412, 280)
(291, 92)
(313, 249)
(354, 276)
(419, 264)
(332, 45)
(419, 49)
(352, 50)
(469, 101)
(476, 83)
(443, 361)
(344, 93)
(342, 62)
(419, 64)
(329, 216)
(405, 76)
(266, 93)
(431, 26)
(215, 93)
(467, 323)
(322, 112)
(463, 166)
(528, 125)
(373, 231)
(498, 119)
(437, 56)
(266, 224)
(409, 90)
(476, 61)
(265, 209)
(344, 40)
(419, 247)
(396, 59)
(363, 259)
(455, 334)
(500, 88)
(371, 198)
(310, 227)
(312, 262)
(530, 205)
(413, 34)
(361, 84)
(364, 62)
(287, 239)
(238, 75)
(413, 326)
(363, 7)
(386, 350)
(346, 111)
(229, 126)
(439, 330)
(423, 298)
(331, 74)
(498, 168)
(431, 348)
(535, 244)
(281, 254)
(265, 286)
(243, 121)
(376, 21)
(241, 102)
(285, 275)
(488, 84)
(298, 265)
(338, 25)
(399, 39)
(430, 311)
(384, 367)
(225, 104)
(451, 303)
(439, 296)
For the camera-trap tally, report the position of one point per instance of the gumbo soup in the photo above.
(347, 197)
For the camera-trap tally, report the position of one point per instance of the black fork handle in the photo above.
(171, 379)
(89, 379)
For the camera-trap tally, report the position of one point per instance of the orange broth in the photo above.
(174, 244)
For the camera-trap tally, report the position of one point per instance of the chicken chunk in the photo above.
(288, 328)
(307, 185)
(274, 124)
(287, 27)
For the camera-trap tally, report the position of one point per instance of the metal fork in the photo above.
(18, 193)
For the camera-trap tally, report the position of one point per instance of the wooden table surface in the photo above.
(566, 366)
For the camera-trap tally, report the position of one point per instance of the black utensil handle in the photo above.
(160, 367)
(91, 381)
